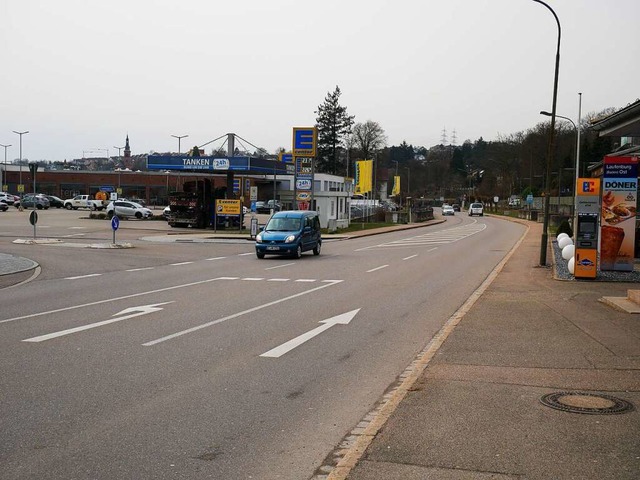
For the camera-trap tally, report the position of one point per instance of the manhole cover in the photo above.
(582, 402)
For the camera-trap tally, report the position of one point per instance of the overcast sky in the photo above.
(79, 74)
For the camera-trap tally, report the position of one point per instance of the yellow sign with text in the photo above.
(228, 207)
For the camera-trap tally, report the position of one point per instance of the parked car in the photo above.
(456, 207)
(128, 209)
(31, 200)
(448, 210)
(476, 209)
(290, 233)
(166, 212)
(3, 206)
(266, 207)
(55, 201)
(7, 198)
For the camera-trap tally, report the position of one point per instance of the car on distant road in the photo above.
(456, 207)
(476, 209)
(31, 200)
(54, 201)
(128, 209)
(448, 210)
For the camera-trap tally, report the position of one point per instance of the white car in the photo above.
(7, 198)
(448, 210)
(128, 209)
(476, 209)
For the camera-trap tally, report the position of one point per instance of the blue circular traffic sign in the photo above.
(115, 223)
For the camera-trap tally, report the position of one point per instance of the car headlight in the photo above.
(290, 238)
(259, 238)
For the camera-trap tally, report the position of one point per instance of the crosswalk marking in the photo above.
(441, 237)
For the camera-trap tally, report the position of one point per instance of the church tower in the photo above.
(127, 154)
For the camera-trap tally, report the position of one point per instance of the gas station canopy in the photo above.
(211, 164)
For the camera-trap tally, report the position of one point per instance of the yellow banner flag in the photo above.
(396, 186)
(364, 176)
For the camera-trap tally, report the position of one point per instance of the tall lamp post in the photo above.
(545, 225)
(179, 137)
(577, 149)
(21, 133)
(6, 182)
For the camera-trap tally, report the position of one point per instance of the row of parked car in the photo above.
(30, 200)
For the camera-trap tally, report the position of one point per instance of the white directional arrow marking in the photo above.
(342, 319)
(127, 313)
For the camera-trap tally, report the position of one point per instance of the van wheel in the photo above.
(259, 255)
(68, 206)
(92, 207)
(138, 215)
(316, 250)
(298, 252)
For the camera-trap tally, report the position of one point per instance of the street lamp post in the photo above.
(179, 137)
(6, 182)
(577, 149)
(545, 225)
(119, 163)
(21, 133)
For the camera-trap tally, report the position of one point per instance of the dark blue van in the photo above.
(290, 233)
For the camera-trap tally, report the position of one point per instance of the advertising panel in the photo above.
(396, 186)
(619, 201)
(228, 207)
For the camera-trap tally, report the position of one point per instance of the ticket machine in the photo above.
(586, 231)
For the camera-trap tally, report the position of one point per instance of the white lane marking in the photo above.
(215, 258)
(308, 280)
(252, 279)
(180, 263)
(377, 268)
(243, 254)
(236, 315)
(409, 258)
(74, 235)
(115, 299)
(342, 319)
(139, 269)
(133, 312)
(278, 279)
(77, 228)
(279, 266)
(84, 276)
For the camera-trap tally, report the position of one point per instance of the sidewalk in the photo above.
(472, 409)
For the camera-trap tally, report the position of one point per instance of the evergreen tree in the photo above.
(334, 125)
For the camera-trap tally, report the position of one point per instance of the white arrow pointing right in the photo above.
(342, 319)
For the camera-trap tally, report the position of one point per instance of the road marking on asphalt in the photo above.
(303, 280)
(342, 319)
(252, 279)
(139, 269)
(279, 266)
(327, 283)
(180, 263)
(215, 258)
(127, 313)
(409, 258)
(278, 279)
(83, 276)
(441, 237)
(243, 254)
(377, 268)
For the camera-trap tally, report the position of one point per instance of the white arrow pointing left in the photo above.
(132, 312)
(342, 319)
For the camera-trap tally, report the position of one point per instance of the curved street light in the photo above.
(6, 182)
(545, 225)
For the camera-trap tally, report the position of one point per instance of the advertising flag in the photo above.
(396, 186)
(364, 176)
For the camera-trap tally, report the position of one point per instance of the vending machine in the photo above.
(586, 231)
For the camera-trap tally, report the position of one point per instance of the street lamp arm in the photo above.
(548, 114)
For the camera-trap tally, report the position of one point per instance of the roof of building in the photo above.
(623, 123)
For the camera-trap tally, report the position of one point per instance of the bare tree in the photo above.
(368, 137)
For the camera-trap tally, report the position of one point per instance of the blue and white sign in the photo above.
(115, 223)
(221, 164)
(303, 184)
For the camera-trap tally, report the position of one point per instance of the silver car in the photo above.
(476, 209)
(128, 209)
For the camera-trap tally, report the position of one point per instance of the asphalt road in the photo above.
(173, 360)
